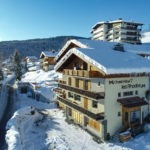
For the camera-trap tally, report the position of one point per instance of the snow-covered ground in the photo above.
(45, 81)
(41, 126)
(146, 37)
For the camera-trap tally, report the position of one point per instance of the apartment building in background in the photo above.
(117, 31)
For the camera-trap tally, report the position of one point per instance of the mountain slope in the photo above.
(33, 46)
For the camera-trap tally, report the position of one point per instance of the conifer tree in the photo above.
(17, 65)
(1, 62)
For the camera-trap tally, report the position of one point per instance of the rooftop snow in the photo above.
(76, 42)
(97, 44)
(138, 49)
(115, 21)
(31, 57)
(102, 55)
(49, 54)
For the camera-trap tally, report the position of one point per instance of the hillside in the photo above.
(33, 46)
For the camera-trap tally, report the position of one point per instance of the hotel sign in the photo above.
(127, 84)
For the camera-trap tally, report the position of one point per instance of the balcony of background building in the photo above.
(131, 40)
(98, 30)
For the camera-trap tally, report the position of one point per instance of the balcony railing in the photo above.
(81, 73)
(61, 81)
(99, 116)
(94, 95)
(58, 90)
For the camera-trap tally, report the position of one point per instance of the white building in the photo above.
(118, 31)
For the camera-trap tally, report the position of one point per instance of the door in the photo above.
(135, 116)
(85, 103)
(130, 115)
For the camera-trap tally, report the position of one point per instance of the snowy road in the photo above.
(9, 93)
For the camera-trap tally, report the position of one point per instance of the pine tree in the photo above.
(17, 65)
(1, 61)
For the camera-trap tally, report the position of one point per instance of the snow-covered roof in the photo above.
(74, 41)
(115, 21)
(102, 55)
(48, 54)
(31, 57)
(99, 23)
(87, 43)
(120, 20)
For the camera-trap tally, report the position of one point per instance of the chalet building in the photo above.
(103, 88)
(47, 60)
(117, 31)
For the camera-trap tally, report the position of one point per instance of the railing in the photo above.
(94, 95)
(81, 73)
(130, 40)
(58, 90)
(61, 81)
(99, 116)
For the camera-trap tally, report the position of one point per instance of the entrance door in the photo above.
(135, 116)
(85, 103)
(130, 115)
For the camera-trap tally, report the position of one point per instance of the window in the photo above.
(70, 95)
(126, 116)
(69, 81)
(77, 97)
(127, 93)
(86, 85)
(94, 124)
(136, 92)
(77, 83)
(94, 104)
(119, 94)
(119, 113)
(69, 111)
(77, 66)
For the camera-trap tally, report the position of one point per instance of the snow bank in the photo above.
(40, 76)
(146, 37)
(19, 129)
(27, 129)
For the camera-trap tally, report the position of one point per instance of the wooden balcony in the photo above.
(61, 81)
(91, 94)
(58, 90)
(99, 116)
(81, 73)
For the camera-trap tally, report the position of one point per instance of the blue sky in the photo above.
(28, 19)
